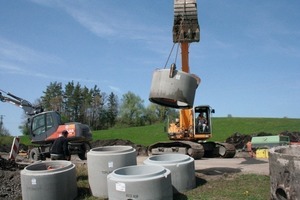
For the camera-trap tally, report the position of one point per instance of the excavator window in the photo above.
(38, 125)
(42, 123)
(49, 121)
(201, 122)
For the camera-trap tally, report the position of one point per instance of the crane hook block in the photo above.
(177, 91)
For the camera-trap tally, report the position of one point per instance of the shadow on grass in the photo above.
(83, 193)
(218, 171)
(179, 196)
(200, 181)
(204, 175)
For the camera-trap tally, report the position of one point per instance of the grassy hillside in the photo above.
(144, 135)
(222, 129)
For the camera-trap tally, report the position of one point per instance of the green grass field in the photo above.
(223, 128)
(229, 187)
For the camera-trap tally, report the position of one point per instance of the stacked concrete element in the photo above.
(182, 169)
(173, 88)
(140, 182)
(49, 180)
(103, 160)
(284, 168)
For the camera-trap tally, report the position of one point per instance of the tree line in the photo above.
(99, 110)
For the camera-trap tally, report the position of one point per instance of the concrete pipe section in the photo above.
(284, 168)
(49, 180)
(103, 160)
(173, 88)
(182, 169)
(140, 182)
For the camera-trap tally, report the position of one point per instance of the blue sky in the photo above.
(248, 55)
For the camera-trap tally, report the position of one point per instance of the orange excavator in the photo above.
(46, 126)
(188, 133)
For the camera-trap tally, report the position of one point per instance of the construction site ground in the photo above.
(205, 168)
(214, 168)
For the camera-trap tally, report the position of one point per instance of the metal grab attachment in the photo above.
(186, 27)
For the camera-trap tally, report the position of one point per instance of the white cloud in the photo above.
(116, 89)
(106, 22)
(15, 53)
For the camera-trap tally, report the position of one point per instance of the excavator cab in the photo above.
(193, 124)
(202, 122)
(43, 125)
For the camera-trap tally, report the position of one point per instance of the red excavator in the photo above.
(46, 126)
(188, 134)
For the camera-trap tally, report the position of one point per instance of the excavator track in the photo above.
(226, 150)
(216, 149)
(195, 150)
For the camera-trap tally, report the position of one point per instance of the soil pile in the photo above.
(240, 140)
(5, 148)
(10, 177)
(294, 136)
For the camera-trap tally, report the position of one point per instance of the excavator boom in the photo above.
(28, 108)
(185, 30)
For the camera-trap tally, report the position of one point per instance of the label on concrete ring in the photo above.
(120, 187)
(111, 164)
(33, 181)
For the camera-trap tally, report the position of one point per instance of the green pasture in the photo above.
(223, 128)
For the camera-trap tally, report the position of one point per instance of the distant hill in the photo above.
(223, 128)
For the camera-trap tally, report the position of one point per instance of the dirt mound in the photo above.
(294, 136)
(5, 148)
(10, 187)
(239, 140)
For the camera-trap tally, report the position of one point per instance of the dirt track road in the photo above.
(215, 167)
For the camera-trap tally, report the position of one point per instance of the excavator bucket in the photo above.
(186, 27)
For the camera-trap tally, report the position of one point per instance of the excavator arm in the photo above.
(28, 108)
(185, 30)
